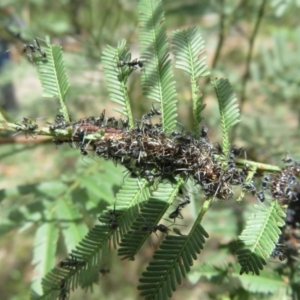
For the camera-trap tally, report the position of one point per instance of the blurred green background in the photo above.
(266, 81)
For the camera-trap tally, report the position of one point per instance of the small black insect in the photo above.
(287, 159)
(261, 196)
(125, 123)
(244, 172)
(112, 122)
(278, 253)
(176, 214)
(265, 183)
(63, 291)
(59, 123)
(153, 228)
(250, 188)
(204, 131)
(134, 64)
(104, 271)
(29, 126)
(153, 112)
(113, 221)
(34, 49)
(71, 263)
(83, 150)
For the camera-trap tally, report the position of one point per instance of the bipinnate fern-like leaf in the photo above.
(126, 208)
(260, 237)
(86, 252)
(53, 76)
(157, 77)
(188, 48)
(116, 220)
(150, 214)
(171, 262)
(228, 107)
(116, 77)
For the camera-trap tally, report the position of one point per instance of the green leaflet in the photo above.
(53, 77)
(229, 111)
(259, 237)
(116, 77)
(150, 214)
(157, 77)
(188, 48)
(87, 251)
(171, 262)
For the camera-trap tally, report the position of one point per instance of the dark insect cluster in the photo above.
(289, 242)
(147, 151)
(283, 185)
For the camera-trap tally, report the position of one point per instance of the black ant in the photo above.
(261, 196)
(58, 143)
(250, 188)
(153, 228)
(70, 263)
(153, 112)
(104, 271)
(265, 182)
(112, 221)
(34, 49)
(112, 122)
(63, 291)
(176, 213)
(99, 122)
(277, 252)
(287, 159)
(244, 172)
(59, 123)
(134, 64)
(28, 125)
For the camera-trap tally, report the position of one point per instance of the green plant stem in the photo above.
(206, 205)
(259, 166)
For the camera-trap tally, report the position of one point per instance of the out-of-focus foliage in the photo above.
(53, 185)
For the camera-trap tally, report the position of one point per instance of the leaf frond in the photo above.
(171, 262)
(260, 237)
(116, 77)
(82, 275)
(228, 107)
(150, 214)
(53, 76)
(157, 78)
(126, 207)
(188, 48)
